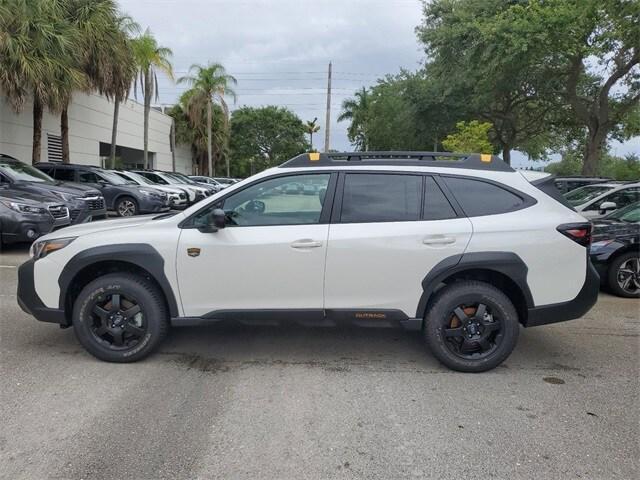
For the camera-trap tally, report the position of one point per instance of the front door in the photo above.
(270, 255)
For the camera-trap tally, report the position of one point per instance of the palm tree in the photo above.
(37, 57)
(123, 75)
(311, 128)
(209, 84)
(150, 58)
(356, 110)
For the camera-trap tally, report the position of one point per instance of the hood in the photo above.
(165, 188)
(100, 226)
(27, 197)
(56, 188)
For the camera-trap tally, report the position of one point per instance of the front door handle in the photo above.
(438, 240)
(306, 243)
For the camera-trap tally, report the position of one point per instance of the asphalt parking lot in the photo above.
(257, 402)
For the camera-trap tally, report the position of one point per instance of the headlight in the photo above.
(44, 247)
(24, 208)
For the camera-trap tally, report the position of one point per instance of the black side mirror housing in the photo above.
(219, 220)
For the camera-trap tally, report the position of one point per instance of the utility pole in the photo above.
(172, 142)
(327, 126)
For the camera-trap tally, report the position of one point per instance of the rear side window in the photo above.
(436, 205)
(88, 177)
(381, 198)
(477, 197)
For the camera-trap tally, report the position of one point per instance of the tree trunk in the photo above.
(114, 132)
(506, 154)
(147, 109)
(37, 130)
(593, 150)
(311, 140)
(64, 133)
(209, 153)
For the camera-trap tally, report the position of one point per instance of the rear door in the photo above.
(388, 231)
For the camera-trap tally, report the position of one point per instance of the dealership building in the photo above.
(90, 126)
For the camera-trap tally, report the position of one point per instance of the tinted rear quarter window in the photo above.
(381, 198)
(477, 197)
(64, 174)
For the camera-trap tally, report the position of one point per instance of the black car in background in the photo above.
(26, 216)
(566, 184)
(85, 203)
(125, 197)
(615, 250)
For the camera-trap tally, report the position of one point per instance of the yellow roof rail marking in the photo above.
(485, 157)
(314, 156)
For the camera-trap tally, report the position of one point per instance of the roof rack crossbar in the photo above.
(408, 158)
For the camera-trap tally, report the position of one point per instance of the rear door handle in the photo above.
(438, 240)
(306, 243)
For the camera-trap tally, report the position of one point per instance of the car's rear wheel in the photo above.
(120, 317)
(624, 275)
(471, 326)
(126, 207)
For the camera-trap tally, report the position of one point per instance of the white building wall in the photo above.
(90, 122)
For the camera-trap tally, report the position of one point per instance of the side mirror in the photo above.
(218, 221)
(608, 206)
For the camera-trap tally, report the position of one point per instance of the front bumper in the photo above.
(29, 301)
(17, 228)
(560, 312)
(87, 209)
(153, 205)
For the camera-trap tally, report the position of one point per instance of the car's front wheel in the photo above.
(471, 326)
(126, 207)
(120, 317)
(624, 275)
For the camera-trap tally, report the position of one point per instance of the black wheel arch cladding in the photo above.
(507, 264)
(140, 255)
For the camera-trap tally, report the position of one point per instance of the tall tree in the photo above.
(150, 59)
(36, 54)
(210, 84)
(266, 136)
(356, 110)
(312, 127)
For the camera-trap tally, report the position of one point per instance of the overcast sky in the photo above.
(279, 50)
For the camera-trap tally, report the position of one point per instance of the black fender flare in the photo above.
(141, 255)
(506, 263)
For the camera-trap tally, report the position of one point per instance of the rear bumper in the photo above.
(560, 312)
(29, 301)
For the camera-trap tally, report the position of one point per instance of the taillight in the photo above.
(578, 232)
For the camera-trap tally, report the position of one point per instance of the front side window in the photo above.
(621, 198)
(88, 177)
(478, 198)
(372, 197)
(291, 200)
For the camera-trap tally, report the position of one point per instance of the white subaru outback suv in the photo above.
(463, 248)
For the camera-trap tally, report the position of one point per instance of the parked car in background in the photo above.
(178, 197)
(124, 197)
(208, 181)
(188, 181)
(85, 203)
(615, 250)
(593, 201)
(195, 191)
(26, 216)
(226, 181)
(567, 184)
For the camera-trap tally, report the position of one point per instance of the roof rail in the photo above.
(474, 161)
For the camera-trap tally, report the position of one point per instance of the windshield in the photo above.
(584, 194)
(183, 178)
(22, 171)
(137, 178)
(630, 213)
(115, 179)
